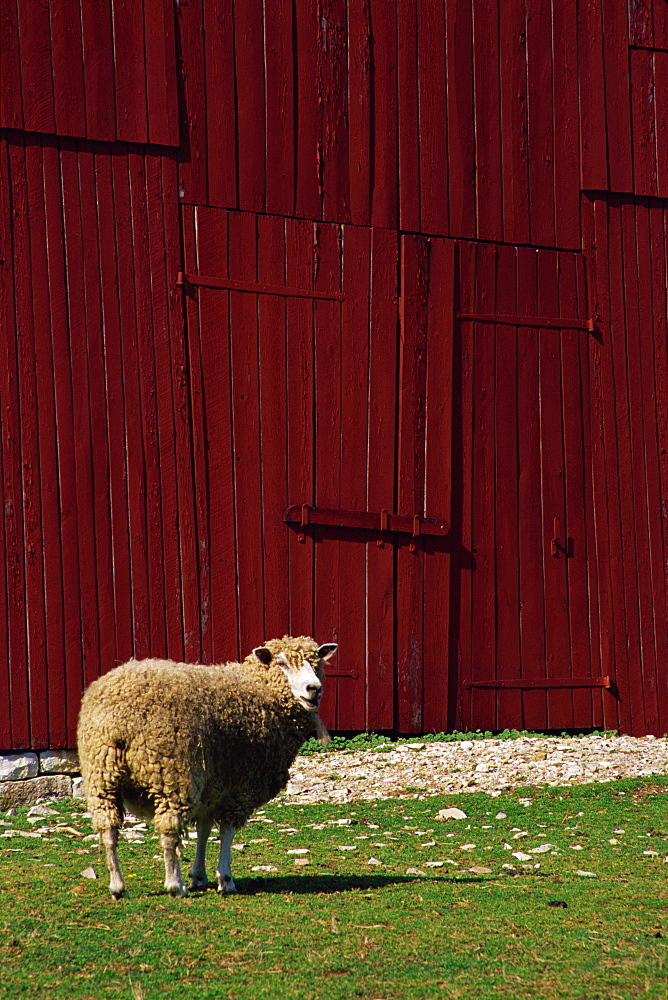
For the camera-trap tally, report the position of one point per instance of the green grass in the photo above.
(368, 741)
(341, 928)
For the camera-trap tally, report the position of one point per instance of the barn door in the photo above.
(314, 352)
(526, 617)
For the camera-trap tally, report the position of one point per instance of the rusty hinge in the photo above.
(256, 287)
(382, 521)
(553, 323)
(542, 682)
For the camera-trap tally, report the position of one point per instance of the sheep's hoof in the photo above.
(176, 890)
(199, 884)
(120, 894)
(226, 885)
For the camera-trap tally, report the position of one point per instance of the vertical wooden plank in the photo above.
(148, 390)
(309, 165)
(12, 314)
(68, 68)
(643, 123)
(661, 117)
(487, 101)
(160, 48)
(566, 165)
(36, 71)
(659, 521)
(327, 441)
(99, 70)
(299, 272)
(433, 144)
(11, 110)
(8, 416)
(67, 677)
(48, 708)
(576, 541)
(438, 472)
(274, 403)
(591, 78)
(32, 554)
(215, 448)
(114, 393)
(461, 118)
(199, 639)
(73, 214)
(641, 28)
(461, 504)
(94, 347)
(361, 95)
(244, 358)
(354, 397)
(617, 96)
(541, 122)
(160, 281)
(333, 86)
(411, 466)
(385, 123)
(557, 634)
(196, 82)
(532, 597)
(134, 445)
(221, 109)
(615, 426)
(513, 111)
(642, 393)
(183, 419)
(483, 543)
(507, 474)
(280, 90)
(383, 334)
(409, 117)
(249, 76)
(130, 76)
(642, 665)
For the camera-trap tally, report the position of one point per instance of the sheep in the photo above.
(176, 742)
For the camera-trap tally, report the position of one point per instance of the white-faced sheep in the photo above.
(181, 743)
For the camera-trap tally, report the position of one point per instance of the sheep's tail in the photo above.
(323, 737)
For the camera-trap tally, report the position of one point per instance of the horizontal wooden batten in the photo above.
(552, 323)
(255, 287)
(542, 682)
(411, 524)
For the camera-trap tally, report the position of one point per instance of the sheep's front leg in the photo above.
(116, 883)
(224, 873)
(173, 881)
(198, 879)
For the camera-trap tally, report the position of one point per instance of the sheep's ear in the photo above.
(263, 654)
(327, 652)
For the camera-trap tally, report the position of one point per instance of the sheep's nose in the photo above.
(314, 688)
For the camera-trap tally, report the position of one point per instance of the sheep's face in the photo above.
(304, 669)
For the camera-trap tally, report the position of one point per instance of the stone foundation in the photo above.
(26, 777)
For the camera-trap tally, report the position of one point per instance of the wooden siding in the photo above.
(103, 70)
(97, 547)
(408, 115)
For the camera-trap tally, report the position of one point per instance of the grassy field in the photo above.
(391, 903)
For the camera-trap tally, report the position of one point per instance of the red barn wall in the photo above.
(424, 252)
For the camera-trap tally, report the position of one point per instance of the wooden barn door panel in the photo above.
(292, 331)
(524, 613)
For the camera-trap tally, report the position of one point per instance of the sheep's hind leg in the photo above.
(116, 884)
(224, 873)
(198, 879)
(173, 881)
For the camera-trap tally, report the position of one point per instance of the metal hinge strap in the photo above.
(553, 323)
(542, 682)
(256, 287)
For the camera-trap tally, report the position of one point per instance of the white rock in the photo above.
(586, 874)
(521, 856)
(298, 850)
(18, 766)
(374, 861)
(500, 816)
(452, 813)
(88, 873)
(415, 871)
(58, 762)
(264, 868)
(541, 849)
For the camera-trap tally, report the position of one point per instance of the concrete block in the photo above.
(58, 762)
(17, 766)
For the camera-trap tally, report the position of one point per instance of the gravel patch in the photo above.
(412, 769)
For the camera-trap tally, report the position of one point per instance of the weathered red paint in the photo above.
(352, 256)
